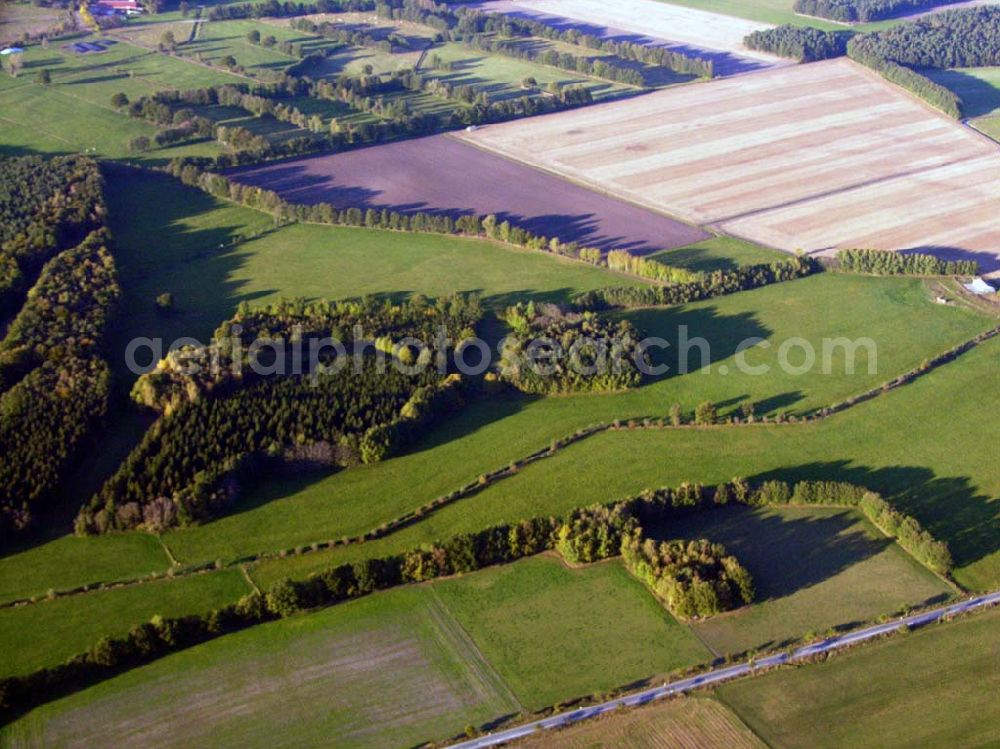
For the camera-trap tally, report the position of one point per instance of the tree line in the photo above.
(705, 286)
(864, 11)
(968, 38)
(55, 384)
(592, 534)
(550, 350)
(802, 43)
(889, 263)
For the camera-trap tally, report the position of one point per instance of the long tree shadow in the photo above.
(783, 554)
(697, 337)
(949, 507)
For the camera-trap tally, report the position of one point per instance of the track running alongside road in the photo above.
(728, 673)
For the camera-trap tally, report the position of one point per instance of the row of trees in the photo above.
(474, 27)
(888, 263)
(463, 553)
(802, 43)
(864, 11)
(551, 350)
(706, 286)
(54, 382)
(588, 534)
(645, 267)
(193, 172)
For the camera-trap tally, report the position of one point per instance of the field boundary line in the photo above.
(489, 479)
(449, 631)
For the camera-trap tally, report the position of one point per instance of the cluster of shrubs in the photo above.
(888, 263)
(705, 286)
(863, 11)
(694, 579)
(802, 43)
(54, 383)
(551, 350)
(589, 534)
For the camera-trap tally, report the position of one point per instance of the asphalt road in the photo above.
(717, 676)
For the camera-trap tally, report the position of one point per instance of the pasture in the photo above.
(933, 687)
(555, 633)
(392, 669)
(74, 112)
(923, 457)
(835, 157)
(441, 174)
(50, 631)
(687, 722)
(489, 434)
(814, 569)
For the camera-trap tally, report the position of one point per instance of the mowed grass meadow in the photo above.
(814, 569)
(393, 669)
(74, 112)
(933, 687)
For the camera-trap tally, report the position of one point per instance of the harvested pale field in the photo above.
(686, 723)
(696, 32)
(816, 157)
(443, 175)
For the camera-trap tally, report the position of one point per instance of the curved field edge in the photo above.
(417, 662)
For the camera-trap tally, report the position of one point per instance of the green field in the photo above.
(814, 568)
(935, 687)
(501, 76)
(923, 456)
(49, 632)
(393, 669)
(555, 633)
(775, 12)
(74, 112)
(488, 435)
(719, 253)
(979, 88)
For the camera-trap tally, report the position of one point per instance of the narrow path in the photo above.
(719, 676)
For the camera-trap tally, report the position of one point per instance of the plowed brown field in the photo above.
(814, 157)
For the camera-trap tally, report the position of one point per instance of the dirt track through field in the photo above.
(815, 157)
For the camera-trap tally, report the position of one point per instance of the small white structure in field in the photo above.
(979, 286)
(472, 128)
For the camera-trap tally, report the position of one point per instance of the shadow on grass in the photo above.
(784, 555)
(978, 96)
(949, 507)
